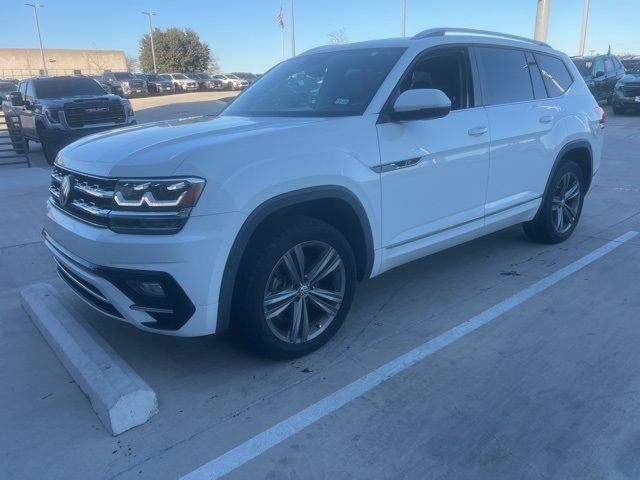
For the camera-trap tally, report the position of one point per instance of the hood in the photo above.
(158, 149)
(79, 99)
(631, 78)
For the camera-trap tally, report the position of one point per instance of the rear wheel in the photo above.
(561, 208)
(298, 289)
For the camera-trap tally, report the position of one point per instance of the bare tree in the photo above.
(338, 36)
(133, 65)
(95, 61)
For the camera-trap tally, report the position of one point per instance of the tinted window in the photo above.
(505, 76)
(31, 93)
(123, 76)
(23, 88)
(598, 67)
(66, 87)
(536, 77)
(445, 70)
(335, 83)
(584, 66)
(608, 66)
(555, 74)
(6, 87)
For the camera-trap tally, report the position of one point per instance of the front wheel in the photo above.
(298, 289)
(561, 207)
(50, 149)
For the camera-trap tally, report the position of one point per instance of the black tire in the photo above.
(50, 150)
(547, 226)
(618, 109)
(267, 255)
(230, 86)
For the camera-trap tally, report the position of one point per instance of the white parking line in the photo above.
(262, 442)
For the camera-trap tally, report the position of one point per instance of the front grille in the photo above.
(88, 198)
(81, 114)
(631, 90)
(87, 291)
(136, 84)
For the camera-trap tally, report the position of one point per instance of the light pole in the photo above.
(293, 29)
(35, 14)
(404, 18)
(583, 32)
(153, 52)
(542, 20)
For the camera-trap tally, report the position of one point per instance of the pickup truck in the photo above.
(55, 111)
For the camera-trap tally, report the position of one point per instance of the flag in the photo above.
(280, 17)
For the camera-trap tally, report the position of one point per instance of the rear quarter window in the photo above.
(555, 75)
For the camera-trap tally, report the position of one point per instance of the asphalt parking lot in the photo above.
(547, 389)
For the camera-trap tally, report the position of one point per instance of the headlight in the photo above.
(53, 114)
(154, 206)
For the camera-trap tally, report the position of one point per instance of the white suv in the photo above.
(337, 165)
(231, 82)
(181, 83)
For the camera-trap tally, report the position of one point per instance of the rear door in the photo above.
(521, 120)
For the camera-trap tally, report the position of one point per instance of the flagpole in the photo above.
(293, 30)
(282, 42)
(404, 18)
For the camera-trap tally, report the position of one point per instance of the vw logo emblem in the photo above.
(65, 190)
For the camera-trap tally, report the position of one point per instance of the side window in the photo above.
(539, 89)
(31, 91)
(505, 76)
(556, 77)
(608, 66)
(598, 67)
(22, 88)
(447, 70)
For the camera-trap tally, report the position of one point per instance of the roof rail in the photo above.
(440, 32)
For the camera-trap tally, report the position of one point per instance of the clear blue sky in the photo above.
(245, 36)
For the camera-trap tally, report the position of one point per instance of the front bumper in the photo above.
(99, 265)
(627, 102)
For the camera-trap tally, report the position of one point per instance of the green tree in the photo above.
(176, 50)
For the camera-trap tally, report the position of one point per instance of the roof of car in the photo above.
(440, 36)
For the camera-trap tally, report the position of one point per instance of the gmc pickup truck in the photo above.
(55, 111)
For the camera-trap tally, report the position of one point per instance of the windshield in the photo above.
(180, 76)
(6, 87)
(635, 69)
(165, 77)
(584, 66)
(67, 87)
(338, 83)
(123, 76)
(154, 78)
(232, 76)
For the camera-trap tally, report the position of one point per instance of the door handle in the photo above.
(478, 131)
(546, 119)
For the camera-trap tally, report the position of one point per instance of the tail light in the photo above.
(602, 118)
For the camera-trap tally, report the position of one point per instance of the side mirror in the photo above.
(599, 73)
(16, 99)
(420, 104)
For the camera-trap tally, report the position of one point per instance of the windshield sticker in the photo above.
(341, 101)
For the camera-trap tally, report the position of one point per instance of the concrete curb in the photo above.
(120, 398)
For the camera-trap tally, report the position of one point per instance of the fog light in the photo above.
(149, 289)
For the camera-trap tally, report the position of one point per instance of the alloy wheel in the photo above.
(566, 202)
(304, 292)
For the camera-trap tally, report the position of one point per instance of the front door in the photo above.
(434, 172)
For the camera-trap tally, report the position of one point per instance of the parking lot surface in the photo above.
(547, 389)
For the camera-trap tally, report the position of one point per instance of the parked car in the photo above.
(130, 85)
(249, 77)
(105, 86)
(6, 88)
(262, 218)
(626, 94)
(601, 73)
(181, 83)
(204, 80)
(55, 111)
(630, 63)
(231, 82)
(158, 85)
